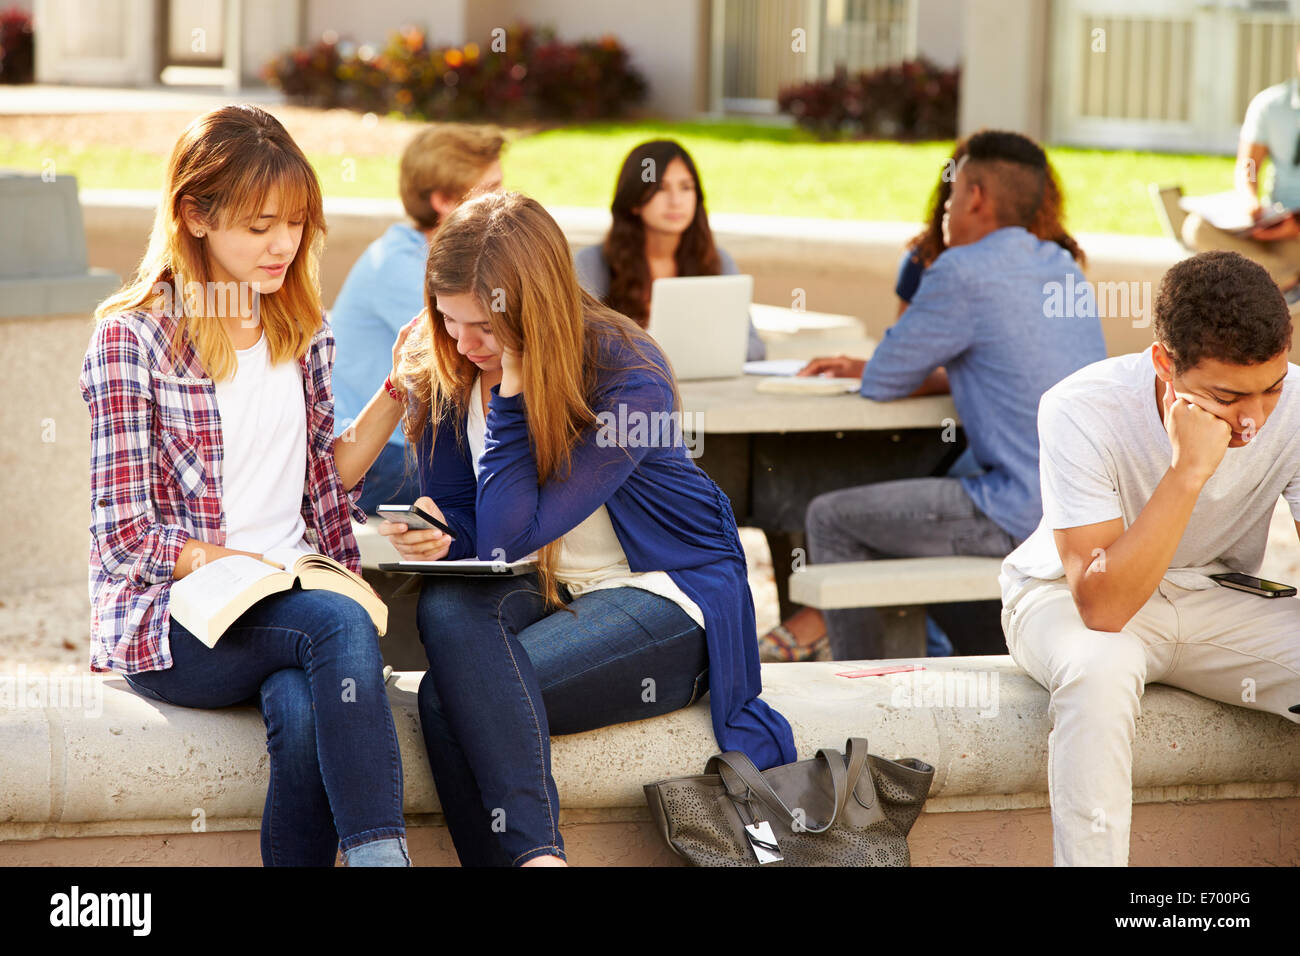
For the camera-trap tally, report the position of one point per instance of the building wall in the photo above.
(1004, 73)
(939, 31)
(442, 20)
(666, 39)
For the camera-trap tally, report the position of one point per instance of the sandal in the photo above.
(780, 646)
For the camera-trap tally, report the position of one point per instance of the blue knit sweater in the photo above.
(668, 516)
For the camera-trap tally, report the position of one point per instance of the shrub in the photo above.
(534, 77)
(17, 56)
(911, 100)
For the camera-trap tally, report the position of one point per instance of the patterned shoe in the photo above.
(780, 646)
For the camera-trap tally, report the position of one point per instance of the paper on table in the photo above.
(774, 367)
(811, 385)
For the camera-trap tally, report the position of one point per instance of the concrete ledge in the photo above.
(116, 765)
(896, 582)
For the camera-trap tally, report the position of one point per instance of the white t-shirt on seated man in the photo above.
(1158, 469)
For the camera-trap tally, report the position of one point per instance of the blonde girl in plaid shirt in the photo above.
(241, 214)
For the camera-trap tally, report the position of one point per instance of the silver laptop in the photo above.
(702, 324)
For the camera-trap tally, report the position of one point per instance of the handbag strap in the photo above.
(743, 780)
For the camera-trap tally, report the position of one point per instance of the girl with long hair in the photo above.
(660, 230)
(212, 434)
(547, 423)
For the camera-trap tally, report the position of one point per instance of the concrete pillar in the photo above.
(1004, 66)
(47, 295)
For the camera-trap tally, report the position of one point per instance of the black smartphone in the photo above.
(1253, 585)
(415, 518)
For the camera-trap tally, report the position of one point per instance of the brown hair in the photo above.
(629, 285)
(223, 167)
(448, 158)
(1220, 305)
(507, 251)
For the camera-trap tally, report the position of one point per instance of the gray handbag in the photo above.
(828, 811)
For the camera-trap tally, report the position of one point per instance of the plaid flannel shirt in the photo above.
(156, 478)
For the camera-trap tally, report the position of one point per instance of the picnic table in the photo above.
(772, 454)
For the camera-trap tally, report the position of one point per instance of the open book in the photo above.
(207, 601)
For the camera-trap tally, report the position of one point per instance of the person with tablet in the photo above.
(546, 422)
(1161, 471)
(660, 230)
(212, 437)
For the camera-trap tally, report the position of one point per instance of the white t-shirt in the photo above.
(264, 453)
(591, 558)
(1103, 449)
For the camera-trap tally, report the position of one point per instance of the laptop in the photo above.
(702, 324)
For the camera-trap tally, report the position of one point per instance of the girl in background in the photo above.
(660, 230)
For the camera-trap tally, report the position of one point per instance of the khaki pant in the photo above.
(1281, 257)
(1222, 644)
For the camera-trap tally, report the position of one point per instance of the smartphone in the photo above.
(415, 518)
(1253, 585)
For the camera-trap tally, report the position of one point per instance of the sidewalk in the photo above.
(47, 99)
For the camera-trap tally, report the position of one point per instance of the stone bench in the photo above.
(900, 588)
(111, 778)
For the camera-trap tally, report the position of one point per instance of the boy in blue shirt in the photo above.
(982, 325)
(441, 167)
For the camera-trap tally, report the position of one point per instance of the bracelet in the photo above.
(392, 391)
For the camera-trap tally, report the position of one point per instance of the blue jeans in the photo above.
(911, 518)
(312, 661)
(387, 481)
(504, 674)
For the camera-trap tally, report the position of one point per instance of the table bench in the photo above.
(900, 588)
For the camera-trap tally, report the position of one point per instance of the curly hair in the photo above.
(624, 247)
(1048, 224)
(1220, 305)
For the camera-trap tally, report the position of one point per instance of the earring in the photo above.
(199, 234)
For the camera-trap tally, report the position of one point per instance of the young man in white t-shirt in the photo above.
(1158, 469)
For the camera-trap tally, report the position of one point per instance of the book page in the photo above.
(201, 596)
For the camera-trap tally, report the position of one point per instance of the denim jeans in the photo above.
(504, 674)
(913, 518)
(312, 661)
(387, 481)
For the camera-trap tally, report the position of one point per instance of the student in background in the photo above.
(212, 435)
(978, 321)
(441, 166)
(1270, 131)
(1159, 469)
(781, 644)
(660, 230)
(640, 601)
(926, 246)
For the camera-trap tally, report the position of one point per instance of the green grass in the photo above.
(745, 167)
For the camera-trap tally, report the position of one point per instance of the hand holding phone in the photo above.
(417, 533)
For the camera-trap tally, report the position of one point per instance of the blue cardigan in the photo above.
(668, 516)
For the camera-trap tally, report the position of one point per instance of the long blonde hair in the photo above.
(507, 251)
(223, 167)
